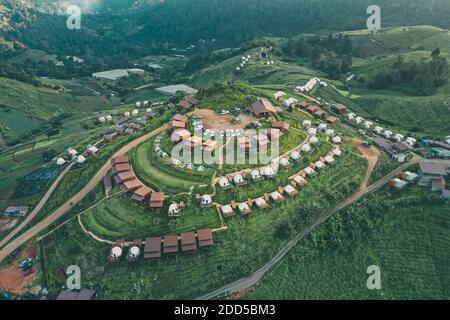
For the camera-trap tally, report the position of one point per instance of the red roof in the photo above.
(262, 106)
(124, 176)
(157, 200)
(185, 104)
(179, 117)
(119, 159)
(171, 244)
(188, 242)
(131, 185)
(121, 167)
(152, 248)
(205, 238)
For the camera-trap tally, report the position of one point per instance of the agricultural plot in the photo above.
(242, 248)
(405, 234)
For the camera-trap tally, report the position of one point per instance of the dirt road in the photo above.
(254, 278)
(32, 232)
(38, 208)
(372, 155)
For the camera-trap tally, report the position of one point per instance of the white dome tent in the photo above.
(295, 155)
(306, 148)
(314, 140)
(223, 182)
(81, 159)
(284, 162)
(60, 161)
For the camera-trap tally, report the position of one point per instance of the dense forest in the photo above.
(331, 54)
(417, 77)
(179, 23)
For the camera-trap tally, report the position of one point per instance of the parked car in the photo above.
(224, 112)
(26, 264)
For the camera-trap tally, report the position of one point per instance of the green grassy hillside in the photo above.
(405, 234)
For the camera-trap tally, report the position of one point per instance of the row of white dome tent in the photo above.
(309, 86)
(104, 117)
(134, 112)
(306, 124)
(142, 103)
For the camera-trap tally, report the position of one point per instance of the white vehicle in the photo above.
(224, 112)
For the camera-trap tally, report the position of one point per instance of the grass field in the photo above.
(244, 246)
(163, 176)
(405, 234)
(121, 218)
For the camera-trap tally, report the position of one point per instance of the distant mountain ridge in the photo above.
(119, 29)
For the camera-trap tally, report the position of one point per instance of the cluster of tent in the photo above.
(387, 134)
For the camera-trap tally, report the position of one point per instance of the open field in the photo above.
(406, 234)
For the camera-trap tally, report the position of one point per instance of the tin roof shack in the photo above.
(170, 244)
(152, 248)
(439, 152)
(107, 183)
(205, 238)
(430, 171)
(188, 242)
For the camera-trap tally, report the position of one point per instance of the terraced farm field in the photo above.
(120, 218)
(246, 244)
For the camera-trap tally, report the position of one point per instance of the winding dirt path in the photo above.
(38, 208)
(58, 213)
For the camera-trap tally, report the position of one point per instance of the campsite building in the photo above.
(262, 108)
(339, 109)
(141, 194)
(152, 248)
(399, 151)
(157, 200)
(205, 238)
(188, 242)
(430, 171)
(170, 244)
(130, 186)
